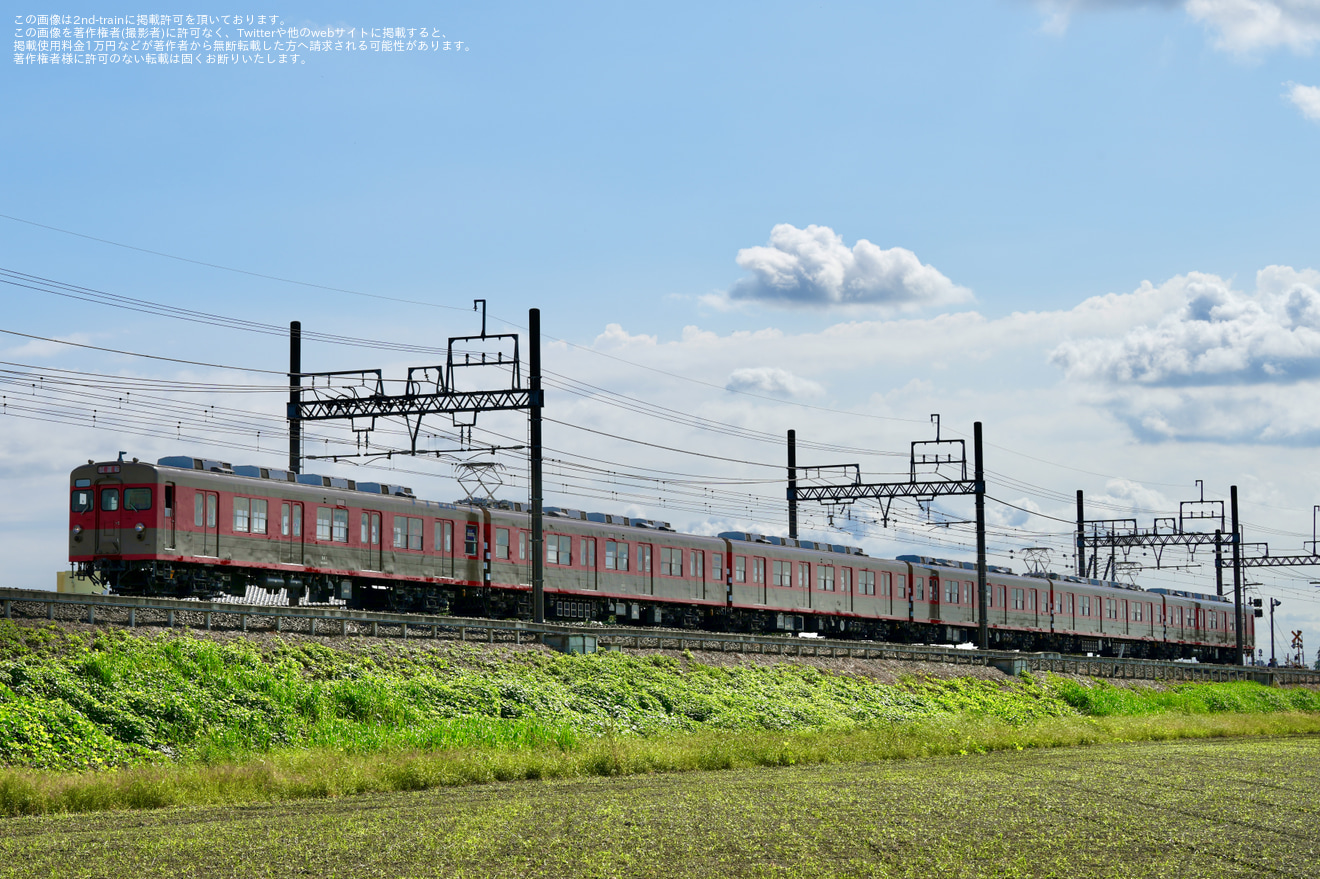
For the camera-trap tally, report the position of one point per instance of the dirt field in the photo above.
(1223, 808)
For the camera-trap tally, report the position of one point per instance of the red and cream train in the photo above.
(191, 527)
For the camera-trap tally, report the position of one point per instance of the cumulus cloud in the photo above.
(774, 382)
(1217, 336)
(1242, 27)
(813, 267)
(1246, 26)
(1305, 98)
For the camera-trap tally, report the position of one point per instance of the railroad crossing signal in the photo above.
(1297, 640)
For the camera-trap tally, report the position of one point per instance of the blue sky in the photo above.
(1047, 216)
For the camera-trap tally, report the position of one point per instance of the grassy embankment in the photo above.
(124, 720)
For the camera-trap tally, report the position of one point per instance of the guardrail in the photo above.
(316, 620)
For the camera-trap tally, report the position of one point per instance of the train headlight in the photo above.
(140, 529)
(77, 532)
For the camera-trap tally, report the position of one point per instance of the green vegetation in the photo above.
(1227, 808)
(116, 719)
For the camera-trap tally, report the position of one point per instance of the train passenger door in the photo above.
(206, 519)
(291, 533)
(588, 559)
(371, 541)
(109, 500)
(646, 586)
(444, 547)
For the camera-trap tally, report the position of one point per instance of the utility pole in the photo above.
(1274, 602)
(978, 476)
(1237, 573)
(1081, 536)
(295, 395)
(538, 526)
(792, 484)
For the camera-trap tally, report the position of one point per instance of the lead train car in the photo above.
(191, 527)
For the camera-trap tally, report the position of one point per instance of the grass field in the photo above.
(1215, 808)
(110, 720)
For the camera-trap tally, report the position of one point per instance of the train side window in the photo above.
(400, 532)
(717, 566)
(415, 533)
(322, 523)
(696, 564)
(868, 582)
(643, 558)
(588, 553)
(340, 532)
(81, 501)
(297, 520)
(919, 588)
(845, 579)
(259, 509)
(522, 545)
(240, 515)
(967, 592)
(109, 499)
(169, 500)
(739, 569)
(470, 538)
(284, 520)
(804, 575)
(558, 549)
(1070, 604)
(365, 531)
(501, 543)
(137, 499)
(825, 578)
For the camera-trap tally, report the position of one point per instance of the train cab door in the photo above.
(291, 533)
(206, 521)
(371, 541)
(935, 585)
(109, 501)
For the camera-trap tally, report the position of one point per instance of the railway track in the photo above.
(328, 621)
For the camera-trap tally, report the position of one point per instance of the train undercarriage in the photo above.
(211, 582)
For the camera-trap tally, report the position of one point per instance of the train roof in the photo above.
(212, 466)
(819, 546)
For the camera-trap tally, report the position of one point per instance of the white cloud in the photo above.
(812, 267)
(1246, 26)
(1058, 13)
(1306, 98)
(39, 348)
(1217, 336)
(774, 382)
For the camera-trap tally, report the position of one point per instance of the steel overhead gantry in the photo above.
(359, 396)
(1125, 535)
(924, 453)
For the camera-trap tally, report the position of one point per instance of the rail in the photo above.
(321, 621)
